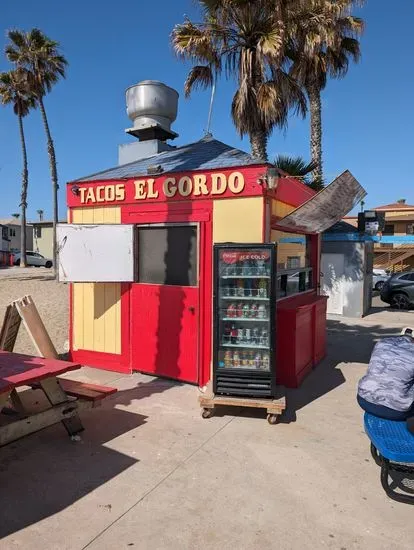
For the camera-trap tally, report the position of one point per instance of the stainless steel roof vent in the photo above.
(152, 107)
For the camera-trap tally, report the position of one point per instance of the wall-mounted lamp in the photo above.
(75, 190)
(270, 178)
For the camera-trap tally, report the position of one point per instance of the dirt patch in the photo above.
(51, 299)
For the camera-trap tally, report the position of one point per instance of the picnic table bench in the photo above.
(66, 397)
(392, 448)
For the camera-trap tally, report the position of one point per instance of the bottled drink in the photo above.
(253, 310)
(228, 359)
(261, 311)
(245, 360)
(262, 290)
(240, 310)
(240, 287)
(246, 311)
(255, 336)
(265, 337)
(247, 336)
(266, 361)
(227, 333)
(233, 334)
(240, 336)
(236, 359)
(257, 360)
(231, 311)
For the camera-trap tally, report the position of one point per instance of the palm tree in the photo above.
(321, 46)
(298, 168)
(41, 57)
(40, 213)
(245, 40)
(15, 91)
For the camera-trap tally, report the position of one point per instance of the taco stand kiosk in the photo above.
(138, 252)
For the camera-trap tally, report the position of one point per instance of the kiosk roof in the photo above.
(206, 154)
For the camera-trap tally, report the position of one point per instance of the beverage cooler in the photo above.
(244, 320)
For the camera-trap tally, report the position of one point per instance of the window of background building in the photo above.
(12, 232)
(410, 229)
(388, 229)
(38, 232)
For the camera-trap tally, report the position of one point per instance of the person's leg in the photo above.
(381, 410)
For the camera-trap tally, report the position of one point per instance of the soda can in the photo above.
(253, 310)
(255, 336)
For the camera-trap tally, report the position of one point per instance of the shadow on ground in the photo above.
(45, 473)
(345, 344)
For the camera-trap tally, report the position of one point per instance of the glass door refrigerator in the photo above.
(244, 320)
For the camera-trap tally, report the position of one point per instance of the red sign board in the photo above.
(228, 183)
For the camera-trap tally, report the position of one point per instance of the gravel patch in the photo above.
(51, 299)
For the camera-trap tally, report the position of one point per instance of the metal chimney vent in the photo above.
(152, 107)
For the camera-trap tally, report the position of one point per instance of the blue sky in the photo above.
(110, 45)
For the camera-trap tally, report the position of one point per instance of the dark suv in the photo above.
(398, 291)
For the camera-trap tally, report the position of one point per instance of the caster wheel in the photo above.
(207, 413)
(272, 418)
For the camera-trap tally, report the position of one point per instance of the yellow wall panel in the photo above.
(238, 220)
(281, 209)
(97, 306)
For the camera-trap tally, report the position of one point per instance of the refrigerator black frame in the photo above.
(244, 372)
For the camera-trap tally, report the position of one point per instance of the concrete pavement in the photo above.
(150, 473)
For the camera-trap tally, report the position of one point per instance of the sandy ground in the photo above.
(150, 473)
(51, 299)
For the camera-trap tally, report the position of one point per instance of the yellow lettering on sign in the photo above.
(110, 193)
(151, 193)
(236, 182)
(120, 192)
(90, 195)
(140, 192)
(218, 184)
(82, 194)
(99, 195)
(200, 187)
(185, 186)
(169, 188)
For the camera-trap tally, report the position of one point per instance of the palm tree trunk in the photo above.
(54, 177)
(315, 107)
(258, 144)
(23, 196)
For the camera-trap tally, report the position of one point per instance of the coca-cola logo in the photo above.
(232, 257)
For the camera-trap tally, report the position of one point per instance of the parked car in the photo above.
(33, 258)
(398, 291)
(379, 276)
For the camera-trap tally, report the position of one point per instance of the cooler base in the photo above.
(243, 384)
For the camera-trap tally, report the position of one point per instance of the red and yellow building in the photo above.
(181, 202)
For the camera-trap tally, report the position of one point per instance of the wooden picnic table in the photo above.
(17, 370)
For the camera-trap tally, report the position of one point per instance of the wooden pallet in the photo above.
(274, 407)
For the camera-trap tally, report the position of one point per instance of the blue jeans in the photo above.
(384, 412)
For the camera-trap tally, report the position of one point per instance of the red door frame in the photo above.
(189, 212)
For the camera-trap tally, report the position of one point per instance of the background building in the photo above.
(13, 226)
(43, 237)
(394, 250)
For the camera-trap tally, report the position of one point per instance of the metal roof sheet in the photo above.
(206, 154)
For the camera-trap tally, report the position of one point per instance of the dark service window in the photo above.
(167, 255)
